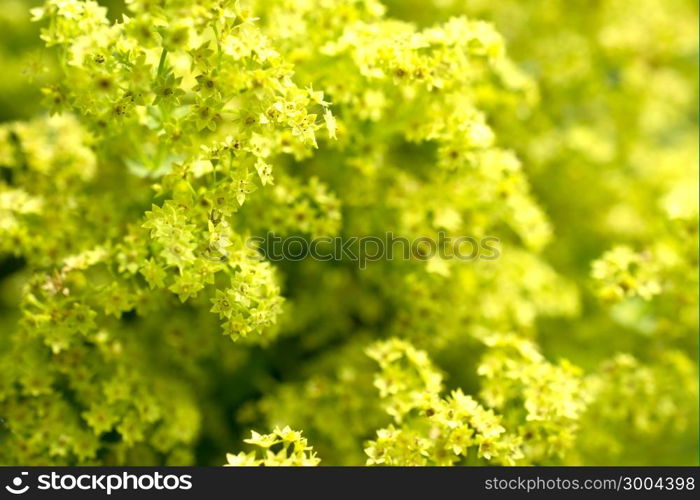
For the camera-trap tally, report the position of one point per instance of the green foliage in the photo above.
(138, 325)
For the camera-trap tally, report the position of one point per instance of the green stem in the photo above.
(161, 63)
(218, 47)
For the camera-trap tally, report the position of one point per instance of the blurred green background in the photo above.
(613, 132)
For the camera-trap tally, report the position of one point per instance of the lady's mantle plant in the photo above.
(181, 129)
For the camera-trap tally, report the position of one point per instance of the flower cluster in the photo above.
(544, 401)
(178, 131)
(623, 273)
(283, 447)
(431, 430)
